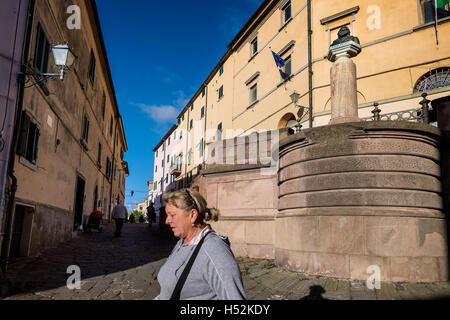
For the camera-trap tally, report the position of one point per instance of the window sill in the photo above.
(84, 144)
(91, 81)
(27, 163)
(285, 24)
(253, 56)
(252, 104)
(285, 80)
(431, 24)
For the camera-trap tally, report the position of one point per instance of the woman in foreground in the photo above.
(202, 265)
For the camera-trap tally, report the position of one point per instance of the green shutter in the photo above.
(87, 129)
(42, 50)
(442, 3)
(37, 134)
(23, 135)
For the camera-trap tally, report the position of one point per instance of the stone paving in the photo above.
(126, 268)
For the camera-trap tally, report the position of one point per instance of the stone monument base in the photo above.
(364, 195)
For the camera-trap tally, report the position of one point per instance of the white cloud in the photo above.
(181, 100)
(165, 113)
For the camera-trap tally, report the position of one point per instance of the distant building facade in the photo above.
(165, 152)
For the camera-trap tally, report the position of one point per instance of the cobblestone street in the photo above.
(126, 268)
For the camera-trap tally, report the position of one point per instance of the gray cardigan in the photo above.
(215, 274)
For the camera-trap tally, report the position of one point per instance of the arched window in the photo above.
(437, 78)
(287, 121)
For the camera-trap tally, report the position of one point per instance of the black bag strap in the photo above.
(177, 291)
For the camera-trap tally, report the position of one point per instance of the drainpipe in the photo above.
(4, 256)
(204, 133)
(163, 184)
(187, 146)
(310, 73)
(113, 163)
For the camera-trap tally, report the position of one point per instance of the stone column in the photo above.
(344, 101)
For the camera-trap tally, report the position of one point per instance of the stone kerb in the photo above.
(360, 194)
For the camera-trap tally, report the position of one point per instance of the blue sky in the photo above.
(160, 52)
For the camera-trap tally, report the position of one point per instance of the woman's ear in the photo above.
(194, 216)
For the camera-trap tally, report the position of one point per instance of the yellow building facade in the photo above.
(401, 58)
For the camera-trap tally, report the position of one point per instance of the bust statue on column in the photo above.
(344, 100)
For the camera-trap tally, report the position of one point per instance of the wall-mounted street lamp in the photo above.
(301, 110)
(294, 97)
(64, 59)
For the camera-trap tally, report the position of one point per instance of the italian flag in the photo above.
(438, 4)
(441, 3)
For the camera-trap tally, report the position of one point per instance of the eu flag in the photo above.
(278, 60)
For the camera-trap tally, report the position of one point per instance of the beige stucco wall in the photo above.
(58, 108)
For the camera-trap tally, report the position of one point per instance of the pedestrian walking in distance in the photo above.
(119, 215)
(202, 265)
(150, 214)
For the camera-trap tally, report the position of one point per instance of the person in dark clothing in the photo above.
(119, 215)
(151, 214)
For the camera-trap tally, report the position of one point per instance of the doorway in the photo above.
(79, 202)
(95, 198)
(441, 108)
(21, 235)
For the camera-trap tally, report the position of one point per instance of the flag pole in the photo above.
(436, 22)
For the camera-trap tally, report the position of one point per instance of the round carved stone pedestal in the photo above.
(362, 194)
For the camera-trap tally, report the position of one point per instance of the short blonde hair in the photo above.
(188, 200)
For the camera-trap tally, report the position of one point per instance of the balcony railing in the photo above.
(405, 115)
(423, 114)
(175, 169)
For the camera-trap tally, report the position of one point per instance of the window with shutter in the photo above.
(42, 50)
(103, 105)
(99, 156)
(254, 93)
(27, 146)
(92, 68)
(286, 12)
(85, 134)
(23, 135)
(428, 10)
(34, 137)
(108, 167)
(219, 132)
(200, 150)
